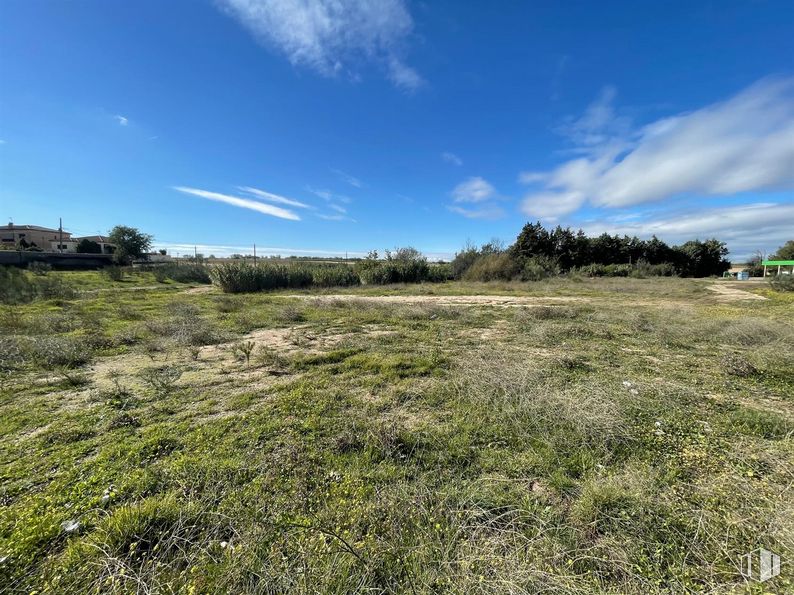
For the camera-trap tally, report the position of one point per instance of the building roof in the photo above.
(98, 239)
(15, 227)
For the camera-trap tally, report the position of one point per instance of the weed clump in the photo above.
(736, 365)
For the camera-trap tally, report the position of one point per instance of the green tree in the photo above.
(703, 259)
(86, 246)
(130, 243)
(785, 252)
(533, 240)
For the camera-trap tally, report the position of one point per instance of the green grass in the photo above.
(636, 438)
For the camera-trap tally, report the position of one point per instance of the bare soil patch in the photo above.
(504, 301)
(729, 293)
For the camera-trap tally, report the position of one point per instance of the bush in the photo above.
(782, 282)
(113, 273)
(299, 277)
(404, 265)
(39, 268)
(184, 273)
(334, 276)
(539, 267)
(492, 267)
(241, 277)
(16, 287)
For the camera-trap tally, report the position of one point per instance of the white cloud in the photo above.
(474, 189)
(337, 208)
(229, 249)
(328, 195)
(270, 197)
(121, 120)
(335, 217)
(403, 76)
(331, 36)
(243, 203)
(743, 144)
(346, 177)
(745, 228)
(451, 158)
(485, 212)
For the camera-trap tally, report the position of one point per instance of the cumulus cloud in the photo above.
(121, 120)
(745, 228)
(451, 158)
(243, 203)
(475, 189)
(270, 197)
(330, 36)
(745, 143)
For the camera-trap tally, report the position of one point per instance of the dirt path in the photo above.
(504, 301)
(728, 293)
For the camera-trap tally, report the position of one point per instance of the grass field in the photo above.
(566, 436)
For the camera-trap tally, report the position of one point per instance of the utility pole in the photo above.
(254, 253)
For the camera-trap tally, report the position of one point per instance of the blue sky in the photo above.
(324, 127)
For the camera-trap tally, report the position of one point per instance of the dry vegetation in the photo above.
(564, 436)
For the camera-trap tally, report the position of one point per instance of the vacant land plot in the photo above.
(613, 435)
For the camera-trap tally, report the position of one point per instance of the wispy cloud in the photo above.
(328, 195)
(745, 228)
(347, 178)
(485, 212)
(121, 120)
(337, 208)
(222, 250)
(333, 36)
(743, 144)
(270, 197)
(335, 217)
(451, 158)
(243, 203)
(474, 189)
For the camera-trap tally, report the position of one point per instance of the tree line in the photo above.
(538, 252)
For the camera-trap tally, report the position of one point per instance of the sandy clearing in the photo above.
(727, 293)
(505, 301)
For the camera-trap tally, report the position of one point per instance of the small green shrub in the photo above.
(113, 273)
(161, 380)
